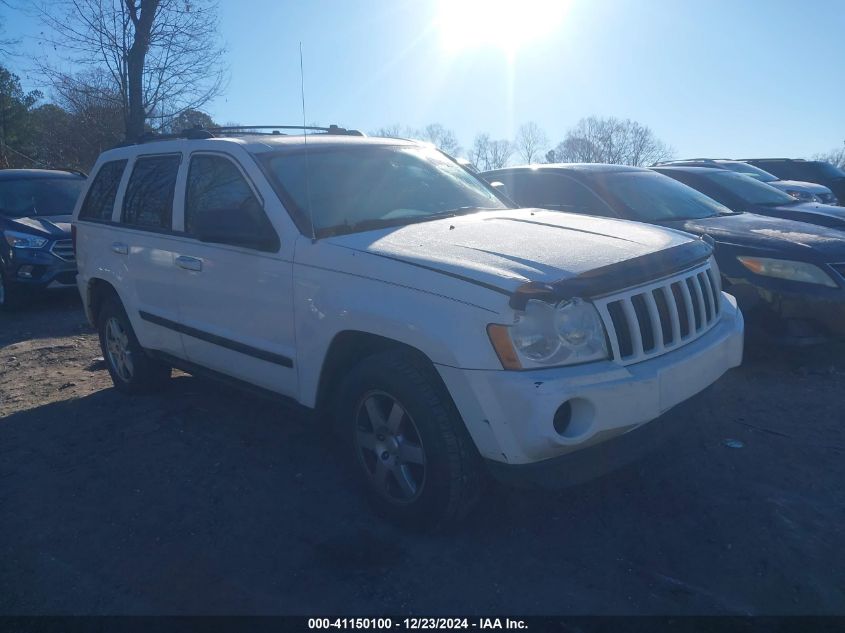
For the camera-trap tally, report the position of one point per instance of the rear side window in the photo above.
(148, 201)
(99, 202)
(783, 170)
(554, 191)
(216, 185)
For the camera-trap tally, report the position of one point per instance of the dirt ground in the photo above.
(205, 500)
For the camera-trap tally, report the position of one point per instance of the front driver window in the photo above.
(216, 186)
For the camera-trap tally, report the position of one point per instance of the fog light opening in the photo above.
(563, 418)
(25, 272)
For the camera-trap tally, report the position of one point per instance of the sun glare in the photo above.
(503, 24)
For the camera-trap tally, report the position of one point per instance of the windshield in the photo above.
(829, 170)
(39, 196)
(750, 170)
(652, 197)
(357, 188)
(749, 190)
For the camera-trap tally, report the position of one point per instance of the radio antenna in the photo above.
(305, 135)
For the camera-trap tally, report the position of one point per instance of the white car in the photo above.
(378, 282)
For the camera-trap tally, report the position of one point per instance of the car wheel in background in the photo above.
(410, 448)
(10, 296)
(131, 369)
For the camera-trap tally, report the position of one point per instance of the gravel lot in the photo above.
(205, 500)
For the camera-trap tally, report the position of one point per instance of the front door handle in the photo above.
(189, 263)
(120, 248)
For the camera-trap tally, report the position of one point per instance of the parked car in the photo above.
(817, 171)
(36, 250)
(741, 193)
(381, 284)
(803, 191)
(788, 277)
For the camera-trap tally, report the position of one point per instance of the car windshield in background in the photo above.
(749, 190)
(828, 170)
(652, 197)
(348, 189)
(750, 170)
(39, 196)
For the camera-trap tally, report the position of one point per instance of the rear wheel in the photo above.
(410, 448)
(131, 369)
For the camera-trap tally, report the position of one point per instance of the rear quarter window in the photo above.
(148, 201)
(99, 202)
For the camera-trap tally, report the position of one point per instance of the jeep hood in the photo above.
(508, 248)
(54, 226)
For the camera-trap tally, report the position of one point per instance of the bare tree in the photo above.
(487, 154)
(611, 140)
(84, 120)
(441, 137)
(531, 142)
(434, 133)
(7, 45)
(161, 57)
(395, 130)
(835, 157)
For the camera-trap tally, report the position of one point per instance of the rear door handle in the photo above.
(189, 263)
(120, 248)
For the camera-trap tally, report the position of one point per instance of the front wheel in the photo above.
(410, 447)
(131, 370)
(10, 295)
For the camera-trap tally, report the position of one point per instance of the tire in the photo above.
(10, 296)
(132, 370)
(409, 447)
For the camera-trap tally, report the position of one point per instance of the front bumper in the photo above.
(790, 312)
(598, 460)
(510, 414)
(43, 268)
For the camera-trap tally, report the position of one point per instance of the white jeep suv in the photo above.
(382, 284)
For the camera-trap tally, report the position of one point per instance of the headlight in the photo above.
(546, 335)
(24, 240)
(785, 269)
(803, 196)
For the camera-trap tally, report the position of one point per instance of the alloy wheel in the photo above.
(389, 447)
(117, 348)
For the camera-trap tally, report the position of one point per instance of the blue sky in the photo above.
(714, 78)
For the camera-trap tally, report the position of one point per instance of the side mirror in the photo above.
(236, 228)
(500, 188)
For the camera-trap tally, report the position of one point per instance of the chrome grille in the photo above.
(63, 249)
(651, 320)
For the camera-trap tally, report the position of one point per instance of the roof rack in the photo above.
(689, 160)
(791, 160)
(275, 129)
(199, 132)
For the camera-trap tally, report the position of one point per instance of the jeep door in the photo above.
(141, 244)
(235, 297)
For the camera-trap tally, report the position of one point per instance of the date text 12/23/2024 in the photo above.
(417, 623)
